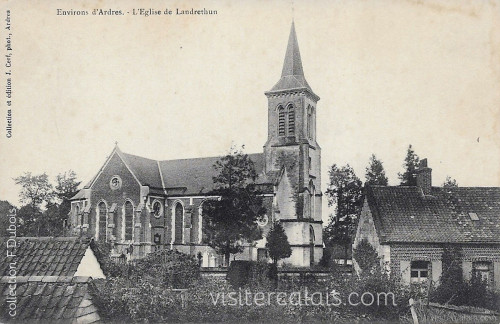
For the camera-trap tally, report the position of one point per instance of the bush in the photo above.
(121, 301)
(166, 269)
(367, 257)
(258, 274)
(455, 290)
(239, 273)
(102, 251)
(326, 259)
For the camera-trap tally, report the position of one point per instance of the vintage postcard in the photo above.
(264, 161)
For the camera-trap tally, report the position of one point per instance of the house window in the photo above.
(129, 220)
(483, 270)
(419, 271)
(291, 120)
(78, 217)
(103, 213)
(281, 121)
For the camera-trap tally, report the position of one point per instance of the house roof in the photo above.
(185, 176)
(50, 299)
(404, 214)
(43, 256)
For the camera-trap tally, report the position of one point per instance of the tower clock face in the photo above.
(157, 208)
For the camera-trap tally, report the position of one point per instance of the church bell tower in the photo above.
(292, 152)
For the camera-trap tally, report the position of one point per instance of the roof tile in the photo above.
(403, 214)
(45, 256)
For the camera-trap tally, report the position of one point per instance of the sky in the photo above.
(389, 73)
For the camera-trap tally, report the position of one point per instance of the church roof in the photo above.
(183, 176)
(195, 176)
(146, 170)
(292, 75)
(447, 215)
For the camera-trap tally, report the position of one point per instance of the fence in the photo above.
(429, 313)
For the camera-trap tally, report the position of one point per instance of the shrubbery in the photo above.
(455, 290)
(140, 292)
(251, 273)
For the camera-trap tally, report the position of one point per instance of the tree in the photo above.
(235, 170)
(375, 173)
(451, 280)
(6, 209)
(29, 219)
(232, 219)
(277, 243)
(35, 189)
(36, 193)
(66, 187)
(408, 177)
(366, 256)
(45, 208)
(346, 193)
(450, 183)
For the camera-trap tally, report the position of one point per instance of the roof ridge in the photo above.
(193, 158)
(206, 157)
(142, 157)
(47, 279)
(51, 238)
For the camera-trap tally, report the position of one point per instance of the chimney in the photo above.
(424, 177)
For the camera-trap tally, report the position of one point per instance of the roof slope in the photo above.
(403, 214)
(146, 170)
(190, 176)
(196, 175)
(44, 256)
(50, 299)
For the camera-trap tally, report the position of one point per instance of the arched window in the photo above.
(309, 122)
(281, 121)
(129, 220)
(291, 120)
(103, 214)
(312, 239)
(179, 216)
(311, 199)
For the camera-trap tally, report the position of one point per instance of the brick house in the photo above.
(409, 226)
(141, 205)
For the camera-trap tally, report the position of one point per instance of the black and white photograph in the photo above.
(223, 161)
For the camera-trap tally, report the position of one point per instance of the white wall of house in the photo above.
(89, 266)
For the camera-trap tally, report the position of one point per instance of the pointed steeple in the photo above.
(293, 63)
(292, 75)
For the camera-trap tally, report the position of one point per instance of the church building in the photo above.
(142, 205)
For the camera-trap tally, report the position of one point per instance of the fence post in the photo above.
(413, 311)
